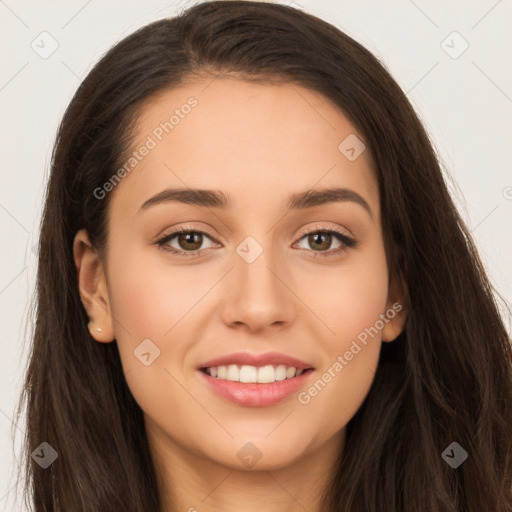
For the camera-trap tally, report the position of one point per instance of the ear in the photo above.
(92, 286)
(396, 312)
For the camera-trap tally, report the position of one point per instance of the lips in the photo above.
(258, 360)
(246, 392)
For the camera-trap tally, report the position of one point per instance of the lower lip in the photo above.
(256, 395)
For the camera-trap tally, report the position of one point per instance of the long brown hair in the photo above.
(446, 379)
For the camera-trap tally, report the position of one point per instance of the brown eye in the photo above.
(320, 241)
(190, 240)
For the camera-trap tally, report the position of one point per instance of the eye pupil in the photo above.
(183, 238)
(324, 235)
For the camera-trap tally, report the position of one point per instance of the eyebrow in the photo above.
(217, 199)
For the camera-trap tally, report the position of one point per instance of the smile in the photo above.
(239, 386)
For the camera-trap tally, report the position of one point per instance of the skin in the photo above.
(258, 144)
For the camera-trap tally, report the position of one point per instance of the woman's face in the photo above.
(264, 275)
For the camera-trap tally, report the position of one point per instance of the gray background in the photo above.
(464, 101)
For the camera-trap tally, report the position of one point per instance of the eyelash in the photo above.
(347, 242)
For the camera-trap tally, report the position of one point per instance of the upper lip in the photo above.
(246, 358)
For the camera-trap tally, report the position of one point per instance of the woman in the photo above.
(329, 340)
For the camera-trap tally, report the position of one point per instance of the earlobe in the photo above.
(93, 288)
(394, 326)
(396, 312)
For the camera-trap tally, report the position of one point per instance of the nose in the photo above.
(258, 293)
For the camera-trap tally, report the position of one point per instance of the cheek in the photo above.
(360, 301)
(349, 298)
(148, 300)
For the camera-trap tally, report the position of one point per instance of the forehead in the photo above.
(258, 143)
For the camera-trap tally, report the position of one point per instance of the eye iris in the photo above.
(315, 237)
(184, 237)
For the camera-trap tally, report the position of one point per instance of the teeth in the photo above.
(281, 372)
(264, 374)
(253, 374)
(233, 372)
(247, 374)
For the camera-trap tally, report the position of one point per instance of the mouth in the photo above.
(255, 380)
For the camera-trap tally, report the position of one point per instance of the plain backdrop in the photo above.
(449, 57)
